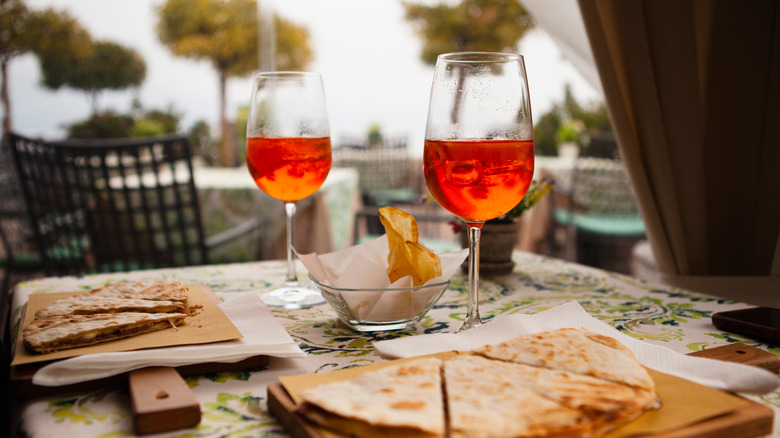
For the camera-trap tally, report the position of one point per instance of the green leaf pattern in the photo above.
(234, 404)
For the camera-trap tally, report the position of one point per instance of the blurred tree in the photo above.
(470, 25)
(138, 122)
(591, 118)
(47, 34)
(203, 145)
(107, 66)
(106, 124)
(545, 129)
(225, 32)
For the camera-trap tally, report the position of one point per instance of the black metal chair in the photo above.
(19, 259)
(113, 205)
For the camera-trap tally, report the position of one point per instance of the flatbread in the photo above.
(90, 304)
(485, 400)
(602, 405)
(579, 351)
(115, 311)
(168, 290)
(69, 331)
(397, 400)
(570, 383)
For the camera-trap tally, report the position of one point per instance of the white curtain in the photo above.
(693, 91)
(562, 21)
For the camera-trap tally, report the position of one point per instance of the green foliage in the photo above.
(535, 192)
(470, 25)
(570, 131)
(106, 66)
(239, 127)
(203, 144)
(375, 137)
(225, 32)
(15, 33)
(49, 34)
(569, 121)
(139, 123)
(544, 133)
(107, 124)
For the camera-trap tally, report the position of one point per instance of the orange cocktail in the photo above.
(288, 169)
(478, 180)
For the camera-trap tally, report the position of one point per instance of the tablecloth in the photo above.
(234, 404)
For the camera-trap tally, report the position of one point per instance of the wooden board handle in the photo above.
(161, 401)
(744, 354)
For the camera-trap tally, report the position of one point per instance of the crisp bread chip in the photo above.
(89, 304)
(69, 331)
(580, 351)
(397, 400)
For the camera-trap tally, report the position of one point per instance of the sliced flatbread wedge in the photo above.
(484, 400)
(397, 400)
(576, 350)
(167, 290)
(87, 304)
(69, 331)
(605, 404)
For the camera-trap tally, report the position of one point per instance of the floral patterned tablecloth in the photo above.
(234, 404)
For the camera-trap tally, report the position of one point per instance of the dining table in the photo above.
(235, 403)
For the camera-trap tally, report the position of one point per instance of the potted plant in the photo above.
(498, 237)
(568, 138)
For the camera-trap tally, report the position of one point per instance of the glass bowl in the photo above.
(367, 310)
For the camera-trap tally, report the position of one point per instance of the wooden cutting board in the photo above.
(161, 400)
(750, 420)
(23, 388)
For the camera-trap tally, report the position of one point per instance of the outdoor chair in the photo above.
(19, 259)
(114, 205)
(599, 208)
(383, 169)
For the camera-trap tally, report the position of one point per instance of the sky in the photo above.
(368, 55)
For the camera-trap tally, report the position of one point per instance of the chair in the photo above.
(19, 257)
(383, 169)
(114, 205)
(599, 209)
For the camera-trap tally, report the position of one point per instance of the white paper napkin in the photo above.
(709, 372)
(263, 335)
(364, 266)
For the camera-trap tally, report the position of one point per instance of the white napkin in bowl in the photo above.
(364, 266)
(263, 335)
(716, 374)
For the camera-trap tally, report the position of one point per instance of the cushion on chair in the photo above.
(628, 225)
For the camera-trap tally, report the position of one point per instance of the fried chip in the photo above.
(406, 255)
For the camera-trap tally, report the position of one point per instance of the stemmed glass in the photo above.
(479, 148)
(288, 155)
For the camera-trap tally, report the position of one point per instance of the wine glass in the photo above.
(288, 156)
(479, 148)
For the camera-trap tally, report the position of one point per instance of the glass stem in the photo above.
(472, 310)
(292, 277)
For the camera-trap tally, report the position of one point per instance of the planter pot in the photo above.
(496, 243)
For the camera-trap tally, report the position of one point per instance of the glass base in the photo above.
(470, 323)
(292, 297)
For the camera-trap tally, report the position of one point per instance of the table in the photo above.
(234, 404)
(229, 196)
